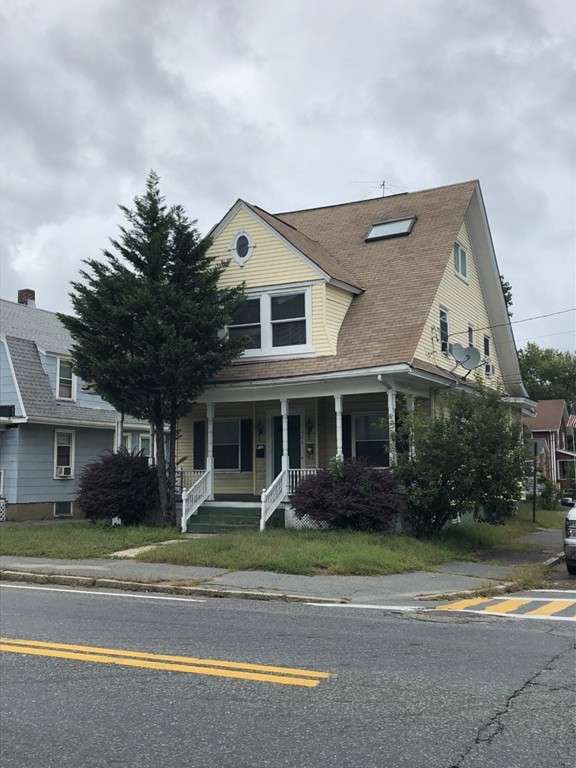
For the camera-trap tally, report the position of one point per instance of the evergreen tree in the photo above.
(148, 322)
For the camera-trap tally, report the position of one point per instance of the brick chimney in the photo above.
(27, 296)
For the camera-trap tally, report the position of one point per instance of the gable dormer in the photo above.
(297, 298)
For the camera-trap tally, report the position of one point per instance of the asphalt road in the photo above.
(405, 690)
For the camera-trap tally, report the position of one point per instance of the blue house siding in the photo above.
(85, 399)
(9, 451)
(8, 392)
(35, 477)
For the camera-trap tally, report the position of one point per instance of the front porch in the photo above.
(243, 445)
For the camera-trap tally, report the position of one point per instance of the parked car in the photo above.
(570, 535)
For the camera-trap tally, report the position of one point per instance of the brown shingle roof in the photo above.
(548, 416)
(400, 276)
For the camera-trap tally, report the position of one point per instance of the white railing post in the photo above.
(184, 518)
(263, 509)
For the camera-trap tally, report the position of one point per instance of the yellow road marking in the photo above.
(547, 609)
(463, 604)
(507, 606)
(285, 675)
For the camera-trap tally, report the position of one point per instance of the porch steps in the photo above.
(225, 517)
(220, 517)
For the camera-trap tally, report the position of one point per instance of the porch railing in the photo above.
(194, 497)
(284, 484)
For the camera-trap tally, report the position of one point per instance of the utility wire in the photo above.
(515, 322)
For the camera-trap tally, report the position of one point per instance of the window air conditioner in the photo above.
(63, 471)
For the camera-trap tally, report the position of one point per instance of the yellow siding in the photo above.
(466, 306)
(337, 302)
(271, 262)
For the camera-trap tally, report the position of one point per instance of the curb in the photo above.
(166, 589)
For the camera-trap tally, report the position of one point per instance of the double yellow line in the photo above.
(262, 673)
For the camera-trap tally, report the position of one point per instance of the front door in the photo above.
(294, 442)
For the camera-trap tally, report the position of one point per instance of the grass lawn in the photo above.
(340, 552)
(283, 551)
(72, 541)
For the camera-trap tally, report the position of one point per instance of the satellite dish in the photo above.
(472, 359)
(458, 353)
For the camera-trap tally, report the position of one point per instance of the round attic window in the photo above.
(241, 247)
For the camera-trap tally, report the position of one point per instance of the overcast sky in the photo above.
(289, 104)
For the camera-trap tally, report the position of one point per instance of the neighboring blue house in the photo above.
(50, 424)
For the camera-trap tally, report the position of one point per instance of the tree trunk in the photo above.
(161, 467)
(172, 472)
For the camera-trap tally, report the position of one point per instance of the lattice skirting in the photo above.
(2, 510)
(306, 522)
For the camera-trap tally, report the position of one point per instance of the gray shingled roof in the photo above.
(26, 328)
(37, 394)
(25, 322)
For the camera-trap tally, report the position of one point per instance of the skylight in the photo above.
(386, 229)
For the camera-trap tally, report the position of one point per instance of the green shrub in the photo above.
(350, 495)
(550, 494)
(119, 485)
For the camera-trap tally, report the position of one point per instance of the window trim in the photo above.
(72, 398)
(459, 251)
(232, 248)
(266, 348)
(61, 475)
(444, 343)
(470, 335)
(127, 436)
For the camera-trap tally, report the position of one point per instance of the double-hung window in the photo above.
(371, 438)
(144, 445)
(460, 261)
(65, 380)
(275, 323)
(227, 444)
(444, 330)
(488, 368)
(64, 444)
(247, 324)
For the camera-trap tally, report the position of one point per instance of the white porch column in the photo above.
(338, 410)
(285, 456)
(392, 425)
(410, 410)
(210, 446)
(119, 431)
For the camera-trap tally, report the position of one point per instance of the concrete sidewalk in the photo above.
(416, 587)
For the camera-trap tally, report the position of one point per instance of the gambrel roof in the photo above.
(395, 280)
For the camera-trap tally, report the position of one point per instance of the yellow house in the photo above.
(353, 312)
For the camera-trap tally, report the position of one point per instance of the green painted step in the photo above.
(220, 518)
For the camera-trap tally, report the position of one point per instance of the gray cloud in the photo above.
(286, 103)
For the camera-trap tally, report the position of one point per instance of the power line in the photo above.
(515, 322)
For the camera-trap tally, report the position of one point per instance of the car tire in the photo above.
(571, 568)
